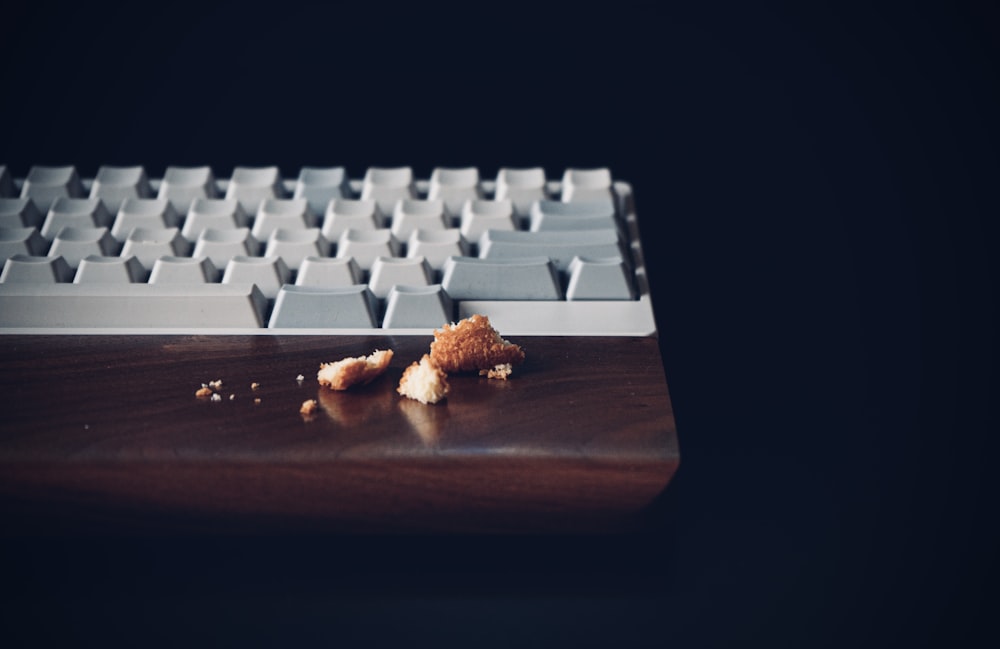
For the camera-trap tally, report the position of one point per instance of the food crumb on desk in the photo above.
(216, 397)
(474, 345)
(254, 385)
(353, 371)
(424, 381)
(308, 408)
(203, 391)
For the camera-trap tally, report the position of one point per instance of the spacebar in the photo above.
(131, 305)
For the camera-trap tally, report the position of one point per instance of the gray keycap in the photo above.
(295, 245)
(148, 245)
(114, 184)
(329, 272)
(222, 245)
(412, 214)
(152, 306)
(181, 185)
(7, 189)
(480, 216)
(20, 213)
(417, 306)
(556, 215)
(320, 185)
(389, 271)
(522, 187)
(21, 241)
(274, 214)
(314, 307)
(560, 247)
(454, 187)
(45, 184)
(252, 185)
(343, 214)
(183, 270)
(73, 244)
(215, 214)
(436, 246)
(268, 273)
(386, 185)
(593, 185)
(74, 212)
(599, 279)
(135, 213)
(35, 270)
(109, 270)
(528, 278)
(365, 246)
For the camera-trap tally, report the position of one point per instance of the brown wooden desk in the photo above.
(104, 434)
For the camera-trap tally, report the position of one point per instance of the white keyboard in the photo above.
(319, 252)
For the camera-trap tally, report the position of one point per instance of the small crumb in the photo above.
(203, 392)
(232, 397)
(498, 372)
(216, 384)
(300, 378)
(254, 385)
(216, 397)
(308, 407)
(256, 401)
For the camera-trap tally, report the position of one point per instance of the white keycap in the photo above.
(73, 244)
(181, 185)
(386, 185)
(528, 278)
(412, 214)
(35, 270)
(329, 272)
(556, 215)
(149, 244)
(74, 212)
(560, 247)
(183, 270)
(251, 185)
(599, 279)
(45, 184)
(480, 216)
(343, 214)
(20, 213)
(114, 184)
(366, 245)
(389, 271)
(522, 187)
(436, 246)
(21, 241)
(314, 307)
(268, 273)
(290, 214)
(109, 270)
(7, 188)
(454, 187)
(417, 306)
(588, 185)
(215, 214)
(222, 245)
(320, 185)
(143, 213)
(293, 246)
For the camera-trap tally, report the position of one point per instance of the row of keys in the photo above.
(316, 185)
(523, 278)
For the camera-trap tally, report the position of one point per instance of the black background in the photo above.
(821, 188)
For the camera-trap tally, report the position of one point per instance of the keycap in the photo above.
(329, 272)
(222, 245)
(522, 187)
(114, 184)
(599, 279)
(45, 184)
(315, 307)
(564, 318)
(73, 244)
(387, 272)
(454, 187)
(344, 214)
(366, 245)
(290, 214)
(181, 185)
(320, 185)
(293, 246)
(19, 213)
(412, 214)
(35, 270)
(417, 306)
(480, 216)
(74, 212)
(386, 185)
(251, 185)
(556, 215)
(183, 270)
(135, 213)
(268, 273)
(149, 244)
(94, 269)
(118, 306)
(21, 241)
(436, 246)
(7, 188)
(560, 247)
(527, 278)
(593, 185)
(215, 214)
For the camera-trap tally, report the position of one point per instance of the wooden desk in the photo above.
(104, 433)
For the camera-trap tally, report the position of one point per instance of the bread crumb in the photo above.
(474, 345)
(256, 401)
(203, 392)
(424, 381)
(216, 384)
(300, 378)
(499, 372)
(232, 397)
(216, 397)
(308, 407)
(254, 385)
(353, 371)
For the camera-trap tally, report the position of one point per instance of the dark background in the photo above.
(820, 186)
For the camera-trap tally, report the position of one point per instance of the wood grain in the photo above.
(104, 433)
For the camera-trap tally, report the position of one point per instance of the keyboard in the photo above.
(124, 293)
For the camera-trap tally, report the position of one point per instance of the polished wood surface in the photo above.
(105, 433)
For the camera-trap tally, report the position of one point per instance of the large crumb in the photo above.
(353, 371)
(308, 407)
(473, 345)
(424, 381)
